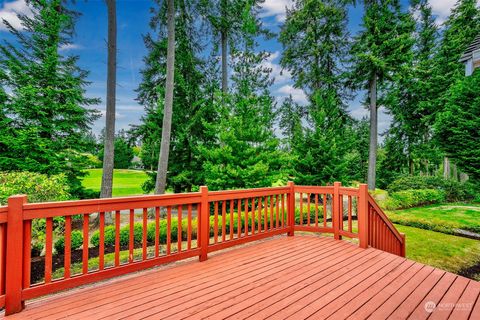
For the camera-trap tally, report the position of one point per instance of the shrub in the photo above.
(412, 198)
(77, 241)
(454, 190)
(38, 187)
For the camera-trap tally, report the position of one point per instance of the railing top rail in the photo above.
(314, 189)
(385, 219)
(349, 191)
(245, 193)
(72, 207)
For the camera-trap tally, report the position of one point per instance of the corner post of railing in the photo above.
(204, 230)
(363, 216)
(291, 208)
(403, 251)
(14, 261)
(336, 218)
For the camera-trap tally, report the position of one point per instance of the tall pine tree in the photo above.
(46, 113)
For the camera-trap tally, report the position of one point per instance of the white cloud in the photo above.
(442, 8)
(9, 11)
(275, 8)
(297, 94)
(69, 46)
(280, 75)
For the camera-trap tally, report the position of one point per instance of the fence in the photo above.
(135, 233)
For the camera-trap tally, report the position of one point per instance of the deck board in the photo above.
(281, 278)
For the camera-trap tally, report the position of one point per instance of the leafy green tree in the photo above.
(457, 126)
(379, 51)
(123, 152)
(246, 153)
(47, 113)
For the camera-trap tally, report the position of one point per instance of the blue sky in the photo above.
(133, 17)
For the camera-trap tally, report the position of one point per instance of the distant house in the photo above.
(471, 57)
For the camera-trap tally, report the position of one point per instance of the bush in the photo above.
(454, 190)
(77, 242)
(38, 187)
(412, 198)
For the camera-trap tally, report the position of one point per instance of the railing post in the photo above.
(363, 216)
(403, 249)
(336, 218)
(291, 208)
(204, 230)
(14, 261)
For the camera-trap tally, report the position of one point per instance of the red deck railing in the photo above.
(173, 227)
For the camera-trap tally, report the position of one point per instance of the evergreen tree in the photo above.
(457, 126)
(315, 40)
(290, 123)
(191, 107)
(246, 153)
(379, 51)
(46, 113)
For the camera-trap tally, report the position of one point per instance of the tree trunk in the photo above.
(446, 168)
(109, 143)
(372, 153)
(224, 62)
(160, 183)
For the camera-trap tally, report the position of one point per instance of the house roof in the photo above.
(474, 46)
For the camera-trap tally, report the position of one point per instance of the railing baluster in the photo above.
(179, 228)
(231, 219)
(144, 233)
(27, 252)
(215, 222)
(254, 212)
(239, 218)
(308, 208)
(259, 214)
(86, 222)
(67, 247)
(246, 217)
(316, 209)
(101, 248)
(3, 256)
(325, 210)
(48, 250)
(169, 229)
(131, 239)
(157, 231)
(276, 211)
(224, 229)
(283, 210)
(271, 212)
(189, 227)
(349, 213)
(117, 238)
(301, 208)
(265, 213)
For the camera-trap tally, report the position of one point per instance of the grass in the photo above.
(445, 218)
(440, 250)
(125, 182)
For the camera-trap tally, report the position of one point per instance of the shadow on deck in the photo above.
(282, 277)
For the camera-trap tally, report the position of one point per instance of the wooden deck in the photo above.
(283, 277)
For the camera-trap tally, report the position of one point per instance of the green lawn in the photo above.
(440, 250)
(125, 182)
(440, 217)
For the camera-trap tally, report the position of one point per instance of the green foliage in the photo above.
(38, 187)
(46, 115)
(77, 242)
(123, 155)
(457, 127)
(413, 198)
(245, 153)
(454, 190)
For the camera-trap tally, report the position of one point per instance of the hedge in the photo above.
(412, 198)
(76, 241)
